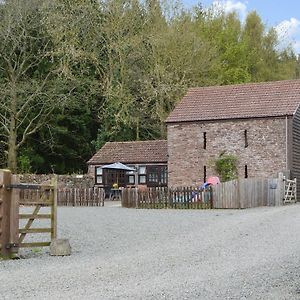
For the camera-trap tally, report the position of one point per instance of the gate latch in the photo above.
(11, 245)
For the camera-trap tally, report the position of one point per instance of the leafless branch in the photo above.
(41, 117)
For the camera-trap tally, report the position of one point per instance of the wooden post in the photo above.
(280, 190)
(14, 217)
(5, 201)
(295, 189)
(54, 209)
(5, 196)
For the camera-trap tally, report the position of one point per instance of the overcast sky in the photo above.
(283, 15)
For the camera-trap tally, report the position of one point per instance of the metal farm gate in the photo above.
(16, 197)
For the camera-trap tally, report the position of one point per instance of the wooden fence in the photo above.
(247, 193)
(81, 197)
(179, 198)
(255, 192)
(242, 193)
(70, 196)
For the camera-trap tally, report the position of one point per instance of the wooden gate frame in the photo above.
(11, 236)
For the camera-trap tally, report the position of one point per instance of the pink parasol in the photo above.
(213, 180)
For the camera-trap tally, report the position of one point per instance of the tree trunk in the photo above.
(12, 139)
(12, 152)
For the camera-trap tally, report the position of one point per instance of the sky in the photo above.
(283, 15)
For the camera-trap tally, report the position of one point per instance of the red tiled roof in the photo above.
(131, 152)
(253, 100)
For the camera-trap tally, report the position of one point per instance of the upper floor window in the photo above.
(204, 140)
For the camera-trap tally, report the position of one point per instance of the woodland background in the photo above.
(75, 74)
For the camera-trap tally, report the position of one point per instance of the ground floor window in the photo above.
(131, 176)
(99, 175)
(150, 175)
(107, 177)
(157, 175)
(142, 174)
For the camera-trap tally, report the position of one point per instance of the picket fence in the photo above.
(178, 198)
(70, 196)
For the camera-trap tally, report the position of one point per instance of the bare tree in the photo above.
(26, 98)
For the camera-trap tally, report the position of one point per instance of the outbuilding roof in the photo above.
(132, 152)
(252, 100)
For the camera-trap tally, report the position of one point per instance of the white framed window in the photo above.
(131, 179)
(142, 179)
(99, 171)
(99, 179)
(99, 175)
(142, 170)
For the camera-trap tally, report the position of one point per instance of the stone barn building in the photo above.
(259, 123)
(149, 158)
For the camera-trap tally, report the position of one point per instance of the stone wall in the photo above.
(91, 170)
(264, 156)
(63, 180)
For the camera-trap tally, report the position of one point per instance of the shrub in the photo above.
(226, 167)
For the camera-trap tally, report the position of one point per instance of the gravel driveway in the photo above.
(123, 253)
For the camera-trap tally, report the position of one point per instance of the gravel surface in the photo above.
(123, 253)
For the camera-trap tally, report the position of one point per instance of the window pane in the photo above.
(99, 179)
(131, 179)
(99, 171)
(142, 179)
(153, 177)
(163, 178)
(142, 170)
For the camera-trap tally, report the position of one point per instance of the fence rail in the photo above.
(179, 198)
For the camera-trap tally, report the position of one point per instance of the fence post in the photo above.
(211, 195)
(136, 200)
(5, 202)
(54, 209)
(280, 191)
(295, 189)
(14, 217)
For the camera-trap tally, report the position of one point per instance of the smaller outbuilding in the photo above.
(148, 158)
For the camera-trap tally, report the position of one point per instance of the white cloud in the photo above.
(230, 6)
(288, 28)
(289, 32)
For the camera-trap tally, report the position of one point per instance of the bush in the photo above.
(24, 164)
(226, 167)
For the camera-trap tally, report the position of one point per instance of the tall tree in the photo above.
(26, 96)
